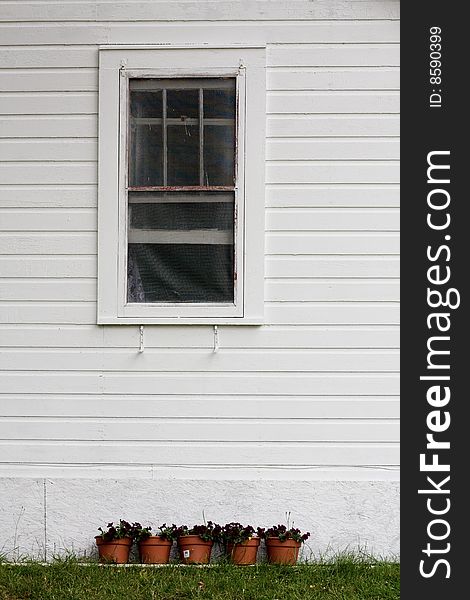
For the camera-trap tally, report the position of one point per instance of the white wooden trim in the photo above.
(182, 198)
(191, 236)
(117, 65)
(192, 82)
(176, 46)
(123, 186)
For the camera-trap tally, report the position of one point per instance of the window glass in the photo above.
(146, 155)
(180, 273)
(146, 104)
(182, 104)
(185, 216)
(219, 154)
(183, 155)
(219, 103)
(181, 229)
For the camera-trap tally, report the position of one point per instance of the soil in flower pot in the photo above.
(194, 550)
(154, 550)
(244, 553)
(114, 551)
(282, 553)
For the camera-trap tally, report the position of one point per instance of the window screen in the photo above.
(181, 190)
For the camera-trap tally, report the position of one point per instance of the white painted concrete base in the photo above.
(41, 518)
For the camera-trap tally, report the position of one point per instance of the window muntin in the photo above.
(181, 192)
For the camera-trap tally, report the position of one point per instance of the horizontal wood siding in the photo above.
(317, 386)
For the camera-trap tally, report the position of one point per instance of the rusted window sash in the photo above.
(182, 188)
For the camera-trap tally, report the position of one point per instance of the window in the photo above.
(181, 191)
(181, 185)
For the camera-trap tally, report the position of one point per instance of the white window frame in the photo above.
(117, 66)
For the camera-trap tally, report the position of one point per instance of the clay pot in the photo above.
(282, 553)
(193, 549)
(244, 553)
(115, 551)
(154, 550)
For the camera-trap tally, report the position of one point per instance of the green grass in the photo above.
(342, 579)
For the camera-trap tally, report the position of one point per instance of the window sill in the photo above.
(103, 320)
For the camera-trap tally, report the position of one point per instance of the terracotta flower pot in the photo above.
(115, 551)
(155, 550)
(282, 553)
(244, 553)
(193, 549)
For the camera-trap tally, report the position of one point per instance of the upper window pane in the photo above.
(145, 136)
(182, 132)
(183, 155)
(219, 103)
(219, 150)
(146, 103)
(146, 154)
(182, 104)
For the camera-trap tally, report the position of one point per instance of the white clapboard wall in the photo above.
(315, 389)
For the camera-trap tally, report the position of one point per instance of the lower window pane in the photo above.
(186, 216)
(180, 273)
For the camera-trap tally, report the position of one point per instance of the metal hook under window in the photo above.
(141, 345)
(216, 339)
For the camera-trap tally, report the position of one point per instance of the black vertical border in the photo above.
(423, 130)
